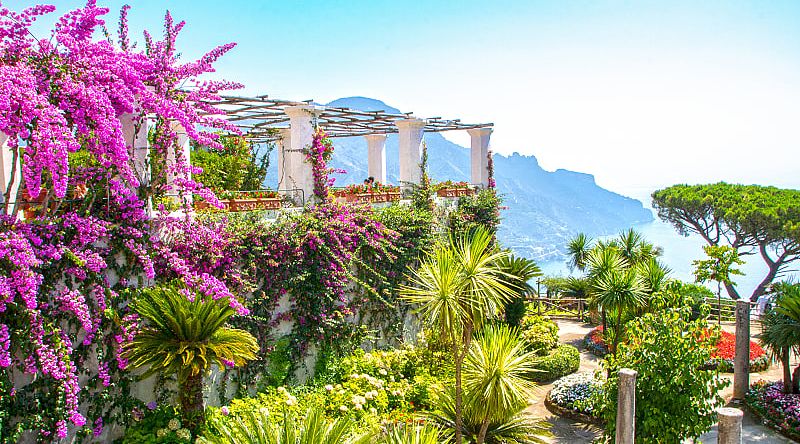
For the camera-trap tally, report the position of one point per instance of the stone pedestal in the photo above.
(730, 426)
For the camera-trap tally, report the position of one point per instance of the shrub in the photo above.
(578, 392)
(540, 333)
(158, 426)
(559, 362)
(676, 396)
(778, 410)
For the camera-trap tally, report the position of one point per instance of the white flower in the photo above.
(343, 408)
(184, 434)
(291, 400)
(328, 388)
(391, 378)
(373, 410)
(368, 395)
(281, 389)
(383, 372)
(357, 407)
(162, 433)
(174, 424)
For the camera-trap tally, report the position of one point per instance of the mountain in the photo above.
(544, 208)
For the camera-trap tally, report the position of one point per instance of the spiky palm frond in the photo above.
(514, 427)
(258, 427)
(410, 434)
(184, 337)
(602, 260)
(578, 249)
(496, 371)
(654, 274)
(619, 289)
(520, 271)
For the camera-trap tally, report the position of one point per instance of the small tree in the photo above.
(676, 396)
(457, 287)
(718, 268)
(184, 337)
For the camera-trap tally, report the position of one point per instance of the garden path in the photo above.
(568, 431)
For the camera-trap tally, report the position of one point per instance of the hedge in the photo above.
(559, 362)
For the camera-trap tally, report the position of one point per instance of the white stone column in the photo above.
(410, 140)
(180, 155)
(284, 159)
(376, 156)
(6, 167)
(140, 145)
(626, 407)
(479, 155)
(301, 126)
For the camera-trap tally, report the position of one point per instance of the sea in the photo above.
(679, 252)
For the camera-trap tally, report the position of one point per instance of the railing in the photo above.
(562, 307)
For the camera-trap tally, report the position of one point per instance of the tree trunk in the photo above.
(617, 330)
(796, 380)
(191, 399)
(787, 370)
(603, 316)
(482, 433)
(460, 353)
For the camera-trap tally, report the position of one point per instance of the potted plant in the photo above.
(236, 201)
(374, 193)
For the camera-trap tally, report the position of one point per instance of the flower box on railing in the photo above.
(377, 197)
(246, 203)
(454, 192)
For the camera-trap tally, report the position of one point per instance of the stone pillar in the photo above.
(626, 407)
(410, 140)
(376, 156)
(741, 362)
(6, 167)
(180, 155)
(284, 159)
(479, 155)
(301, 125)
(729, 429)
(137, 141)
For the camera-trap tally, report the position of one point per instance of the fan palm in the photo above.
(781, 331)
(184, 336)
(496, 374)
(618, 291)
(520, 271)
(514, 426)
(257, 427)
(578, 249)
(456, 288)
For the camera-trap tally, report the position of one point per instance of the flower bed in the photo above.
(776, 409)
(722, 357)
(593, 341)
(726, 350)
(573, 396)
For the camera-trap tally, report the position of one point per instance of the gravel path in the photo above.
(572, 432)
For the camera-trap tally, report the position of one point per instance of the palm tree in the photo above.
(258, 427)
(515, 426)
(184, 337)
(618, 291)
(496, 374)
(456, 288)
(781, 331)
(520, 271)
(578, 249)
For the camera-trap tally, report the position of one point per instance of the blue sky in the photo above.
(641, 94)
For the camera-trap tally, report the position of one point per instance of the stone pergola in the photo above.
(291, 126)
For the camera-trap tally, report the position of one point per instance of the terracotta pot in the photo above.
(454, 192)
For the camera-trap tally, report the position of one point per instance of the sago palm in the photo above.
(456, 288)
(410, 434)
(520, 271)
(497, 375)
(185, 337)
(258, 427)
